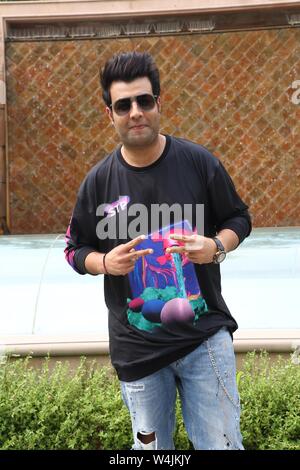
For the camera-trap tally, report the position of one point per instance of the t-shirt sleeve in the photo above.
(228, 209)
(81, 238)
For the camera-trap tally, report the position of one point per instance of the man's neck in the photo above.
(144, 156)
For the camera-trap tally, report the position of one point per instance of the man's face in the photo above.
(137, 128)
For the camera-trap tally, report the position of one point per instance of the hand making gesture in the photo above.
(121, 259)
(198, 249)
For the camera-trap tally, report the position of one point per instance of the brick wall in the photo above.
(231, 92)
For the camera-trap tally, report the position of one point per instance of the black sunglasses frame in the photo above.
(129, 101)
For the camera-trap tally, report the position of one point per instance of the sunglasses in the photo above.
(145, 102)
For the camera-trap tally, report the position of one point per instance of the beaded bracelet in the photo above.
(104, 266)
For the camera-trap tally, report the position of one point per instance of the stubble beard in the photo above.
(146, 139)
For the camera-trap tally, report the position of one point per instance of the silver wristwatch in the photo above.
(221, 253)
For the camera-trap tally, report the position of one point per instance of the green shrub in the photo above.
(270, 399)
(58, 409)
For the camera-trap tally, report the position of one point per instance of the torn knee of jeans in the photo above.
(146, 437)
(147, 440)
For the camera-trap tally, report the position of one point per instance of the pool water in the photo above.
(41, 294)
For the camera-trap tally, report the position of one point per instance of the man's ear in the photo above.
(159, 104)
(109, 113)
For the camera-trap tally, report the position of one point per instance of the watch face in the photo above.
(221, 256)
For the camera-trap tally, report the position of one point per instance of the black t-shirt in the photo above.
(167, 306)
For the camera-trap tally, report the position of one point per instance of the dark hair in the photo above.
(126, 67)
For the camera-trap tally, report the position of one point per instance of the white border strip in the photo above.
(127, 8)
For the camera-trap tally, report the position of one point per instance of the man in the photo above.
(169, 327)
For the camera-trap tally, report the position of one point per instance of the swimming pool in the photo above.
(41, 295)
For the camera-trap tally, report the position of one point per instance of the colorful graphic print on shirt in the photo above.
(164, 286)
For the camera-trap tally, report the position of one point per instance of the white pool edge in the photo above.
(92, 344)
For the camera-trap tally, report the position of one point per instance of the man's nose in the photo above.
(135, 110)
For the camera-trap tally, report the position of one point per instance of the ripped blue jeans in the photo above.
(206, 382)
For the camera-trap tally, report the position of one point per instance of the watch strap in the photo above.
(219, 244)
